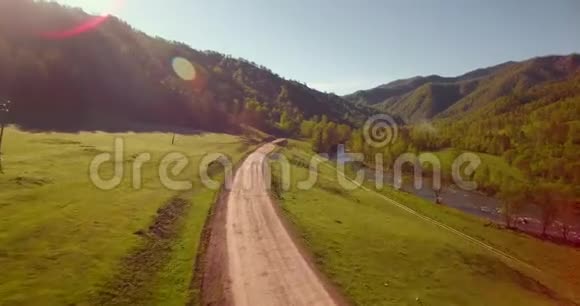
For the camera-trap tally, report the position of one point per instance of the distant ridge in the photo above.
(423, 98)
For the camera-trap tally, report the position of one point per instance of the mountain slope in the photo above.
(116, 78)
(396, 90)
(424, 98)
(518, 79)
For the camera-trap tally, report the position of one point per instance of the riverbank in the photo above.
(476, 203)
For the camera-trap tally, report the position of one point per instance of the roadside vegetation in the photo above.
(527, 141)
(64, 242)
(379, 254)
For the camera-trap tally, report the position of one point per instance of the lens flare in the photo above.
(184, 69)
(86, 25)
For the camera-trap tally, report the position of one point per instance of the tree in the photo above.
(566, 209)
(514, 197)
(316, 141)
(568, 216)
(4, 110)
(356, 142)
(329, 137)
(482, 176)
(290, 121)
(307, 128)
(254, 114)
(343, 133)
(545, 196)
(286, 123)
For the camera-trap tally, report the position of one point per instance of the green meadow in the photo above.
(493, 172)
(381, 254)
(63, 241)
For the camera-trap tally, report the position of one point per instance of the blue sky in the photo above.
(342, 46)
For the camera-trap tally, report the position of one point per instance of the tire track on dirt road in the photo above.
(263, 264)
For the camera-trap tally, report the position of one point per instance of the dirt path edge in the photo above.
(331, 287)
(211, 268)
(211, 275)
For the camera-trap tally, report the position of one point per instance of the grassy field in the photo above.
(379, 254)
(497, 169)
(496, 165)
(64, 241)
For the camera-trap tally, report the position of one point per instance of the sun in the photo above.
(94, 7)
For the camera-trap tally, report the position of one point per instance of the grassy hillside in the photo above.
(65, 242)
(380, 254)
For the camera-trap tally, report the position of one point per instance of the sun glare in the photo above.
(184, 68)
(100, 9)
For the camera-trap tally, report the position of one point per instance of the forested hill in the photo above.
(527, 113)
(117, 78)
(432, 97)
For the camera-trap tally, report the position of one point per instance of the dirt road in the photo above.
(265, 266)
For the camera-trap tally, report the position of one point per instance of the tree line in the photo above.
(536, 134)
(117, 78)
